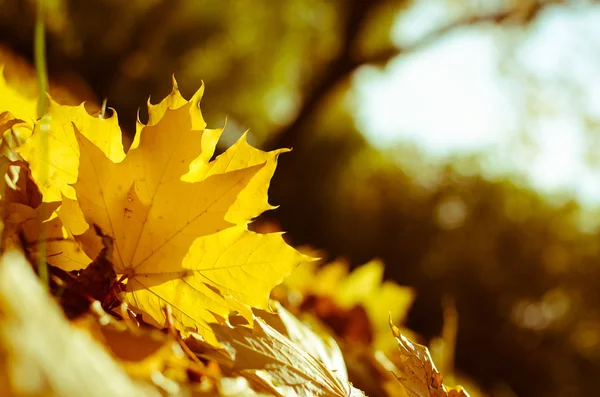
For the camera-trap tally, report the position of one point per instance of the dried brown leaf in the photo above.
(417, 372)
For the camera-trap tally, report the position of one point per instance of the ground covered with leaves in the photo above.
(136, 273)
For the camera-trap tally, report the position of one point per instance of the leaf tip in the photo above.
(395, 330)
(198, 96)
(174, 83)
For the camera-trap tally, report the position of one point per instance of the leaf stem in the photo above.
(40, 57)
(39, 50)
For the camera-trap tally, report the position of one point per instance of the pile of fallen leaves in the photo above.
(149, 281)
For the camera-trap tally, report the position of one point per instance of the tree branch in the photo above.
(337, 69)
(344, 64)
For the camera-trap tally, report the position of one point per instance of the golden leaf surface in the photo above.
(253, 200)
(315, 342)
(12, 101)
(34, 333)
(417, 372)
(62, 161)
(62, 249)
(364, 287)
(141, 352)
(268, 356)
(184, 242)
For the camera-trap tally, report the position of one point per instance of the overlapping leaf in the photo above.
(363, 287)
(62, 160)
(321, 345)
(278, 364)
(20, 106)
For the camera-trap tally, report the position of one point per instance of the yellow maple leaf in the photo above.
(13, 133)
(364, 286)
(63, 151)
(311, 339)
(276, 364)
(19, 106)
(22, 224)
(185, 242)
(175, 100)
(253, 200)
(17, 115)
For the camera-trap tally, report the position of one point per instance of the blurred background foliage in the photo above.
(521, 263)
